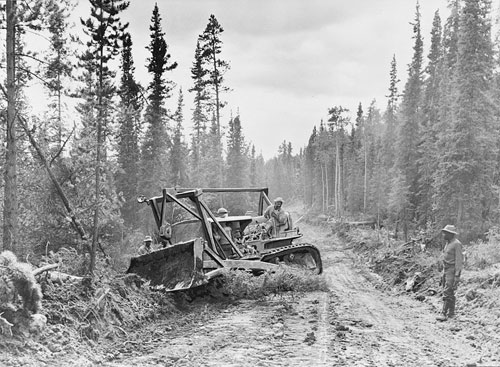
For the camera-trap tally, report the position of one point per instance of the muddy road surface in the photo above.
(353, 324)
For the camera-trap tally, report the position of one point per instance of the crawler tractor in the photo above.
(198, 245)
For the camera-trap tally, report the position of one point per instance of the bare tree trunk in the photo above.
(327, 197)
(365, 185)
(338, 177)
(10, 209)
(95, 232)
(322, 190)
(59, 114)
(460, 211)
(341, 186)
(335, 189)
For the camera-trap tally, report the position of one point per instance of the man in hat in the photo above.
(452, 269)
(146, 246)
(278, 219)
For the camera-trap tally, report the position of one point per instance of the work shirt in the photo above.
(453, 256)
(144, 249)
(279, 215)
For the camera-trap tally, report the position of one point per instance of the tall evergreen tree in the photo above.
(408, 136)
(211, 47)
(468, 158)
(178, 165)
(157, 140)
(105, 30)
(59, 66)
(199, 117)
(390, 116)
(430, 122)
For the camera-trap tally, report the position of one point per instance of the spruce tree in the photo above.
(390, 116)
(199, 117)
(215, 67)
(59, 67)
(431, 104)
(157, 140)
(178, 164)
(211, 48)
(105, 31)
(408, 132)
(469, 151)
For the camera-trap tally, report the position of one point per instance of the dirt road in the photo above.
(354, 324)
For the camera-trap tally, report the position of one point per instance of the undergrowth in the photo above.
(394, 260)
(242, 284)
(481, 255)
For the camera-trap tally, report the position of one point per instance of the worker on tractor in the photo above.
(452, 268)
(278, 220)
(166, 234)
(146, 246)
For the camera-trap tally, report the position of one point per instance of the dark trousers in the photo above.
(449, 291)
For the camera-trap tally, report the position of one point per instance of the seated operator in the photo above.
(278, 219)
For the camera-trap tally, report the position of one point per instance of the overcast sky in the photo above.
(290, 60)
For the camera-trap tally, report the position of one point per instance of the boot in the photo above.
(442, 316)
(451, 310)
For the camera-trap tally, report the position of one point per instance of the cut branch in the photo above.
(44, 269)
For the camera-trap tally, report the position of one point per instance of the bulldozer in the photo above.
(198, 246)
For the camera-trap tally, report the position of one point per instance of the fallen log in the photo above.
(60, 278)
(44, 269)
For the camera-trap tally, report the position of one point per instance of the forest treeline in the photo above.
(431, 157)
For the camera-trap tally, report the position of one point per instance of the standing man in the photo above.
(452, 268)
(277, 218)
(146, 247)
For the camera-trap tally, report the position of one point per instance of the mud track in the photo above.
(354, 324)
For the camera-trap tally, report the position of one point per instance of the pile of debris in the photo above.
(407, 267)
(45, 312)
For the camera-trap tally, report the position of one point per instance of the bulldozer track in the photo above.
(274, 254)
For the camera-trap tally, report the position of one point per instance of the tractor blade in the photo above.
(173, 268)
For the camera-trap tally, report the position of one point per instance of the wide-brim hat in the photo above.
(450, 229)
(280, 199)
(148, 239)
(222, 211)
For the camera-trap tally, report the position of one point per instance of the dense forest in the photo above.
(429, 158)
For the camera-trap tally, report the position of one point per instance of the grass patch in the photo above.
(242, 284)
